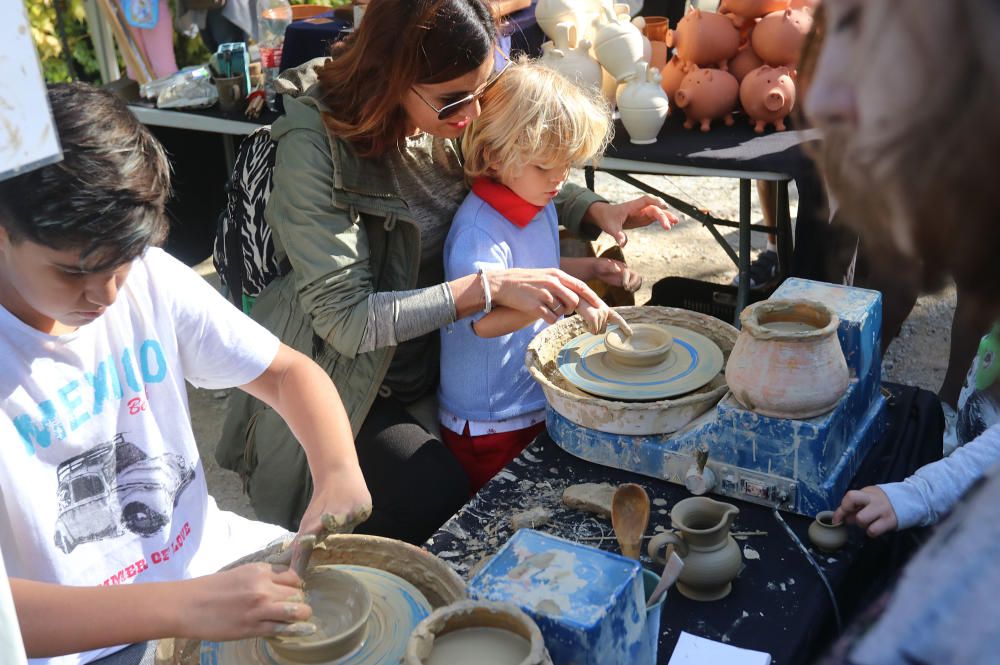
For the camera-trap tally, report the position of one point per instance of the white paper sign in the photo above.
(28, 137)
(694, 650)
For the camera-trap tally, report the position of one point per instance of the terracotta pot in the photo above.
(659, 58)
(656, 28)
(787, 362)
(767, 94)
(706, 95)
(571, 58)
(778, 37)
(701, 537)
(479, 632)
(705, 39)
(826, 535)
(643, 105)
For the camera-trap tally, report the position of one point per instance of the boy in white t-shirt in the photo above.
(107, 531)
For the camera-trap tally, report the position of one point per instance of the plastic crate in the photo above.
(718, 300)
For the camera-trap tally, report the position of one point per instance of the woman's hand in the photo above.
(870, 509)
(596, 319)
(546, 293)
(613, 219)
(256, 599)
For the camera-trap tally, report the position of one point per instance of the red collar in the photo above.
(502, 199)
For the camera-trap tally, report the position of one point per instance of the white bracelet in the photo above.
(488, 307)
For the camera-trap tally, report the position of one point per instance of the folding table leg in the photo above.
(588, 177)
(743, 291)
(783, 221)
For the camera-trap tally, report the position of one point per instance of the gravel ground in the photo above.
(917, 357)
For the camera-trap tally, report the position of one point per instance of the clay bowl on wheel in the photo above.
(341, 605)
(648, 345)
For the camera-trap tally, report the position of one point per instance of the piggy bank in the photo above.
(745, 62)
(671, 76)
(705, 95)
(778, 37)
(768, 96)
(705, 39)
(745, 11)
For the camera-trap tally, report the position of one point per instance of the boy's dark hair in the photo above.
(107, 195)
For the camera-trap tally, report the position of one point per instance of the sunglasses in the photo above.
(453, 108)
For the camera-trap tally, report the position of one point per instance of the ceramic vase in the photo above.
(550, 13)
(618, 46)
(787, 361)
(486, 632)
(643, 105)
(571, 58)
(779, 36)
(826, 535)
(701, 536)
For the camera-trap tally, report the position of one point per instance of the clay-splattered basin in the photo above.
(429, 574)
(632, 418)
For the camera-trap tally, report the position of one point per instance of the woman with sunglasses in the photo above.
(367, 179)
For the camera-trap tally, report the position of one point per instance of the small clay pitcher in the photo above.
(482, 632)
(642, 104)
(232, 93)
(825, 534)
(618, 45)
(787, 361)
(701, 537)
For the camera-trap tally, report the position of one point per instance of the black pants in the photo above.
(416, 484)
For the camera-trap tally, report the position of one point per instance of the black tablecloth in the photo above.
(778, 603)
(311, 38)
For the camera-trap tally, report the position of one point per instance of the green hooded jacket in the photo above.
(346, 234)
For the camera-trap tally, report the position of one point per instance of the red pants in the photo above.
(483, 456)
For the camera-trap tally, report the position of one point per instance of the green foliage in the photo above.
(44, 31)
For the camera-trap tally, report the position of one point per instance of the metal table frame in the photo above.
(626, 170)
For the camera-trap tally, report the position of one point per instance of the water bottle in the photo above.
(275, 15)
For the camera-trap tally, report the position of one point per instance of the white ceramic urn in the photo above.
(550, 13)
(618, 45)
(571, 58)
(642, 104)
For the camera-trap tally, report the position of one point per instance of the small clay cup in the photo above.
(648, 345)
(825, 535)
(232, 93)
(656, 28)
(341, 606)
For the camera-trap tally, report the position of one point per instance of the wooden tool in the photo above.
(629, 517)
(134, 57)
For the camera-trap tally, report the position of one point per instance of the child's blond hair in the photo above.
(534, 115)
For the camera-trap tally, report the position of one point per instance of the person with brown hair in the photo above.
(906, 93)
(367, 178)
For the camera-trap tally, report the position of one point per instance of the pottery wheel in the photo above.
(692, 361)
(397, 608)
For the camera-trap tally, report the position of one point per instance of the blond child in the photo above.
(534, 126)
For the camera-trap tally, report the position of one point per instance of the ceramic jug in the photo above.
(701, 537)
(779, 36)
(642, 104)
(571, 58)
(550, 13)
(618, 45)
(787, 361)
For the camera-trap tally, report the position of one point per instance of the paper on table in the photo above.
(694, 650)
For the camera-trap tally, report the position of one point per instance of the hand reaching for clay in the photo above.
(615, 273)
(252, 600)
(613, 219)
(870, 509)
(596, 319)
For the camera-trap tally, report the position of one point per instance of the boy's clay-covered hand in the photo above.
(870, 509)
(256, 599)
(596, 319)
(613, 219)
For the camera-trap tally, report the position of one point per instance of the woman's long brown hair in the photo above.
(399, 43)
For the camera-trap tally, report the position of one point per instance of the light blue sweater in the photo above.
(485, 379)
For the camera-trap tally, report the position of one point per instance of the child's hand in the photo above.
(870, 509)
(256, 599)
(596, 319)
(340, 502)
(616, 273)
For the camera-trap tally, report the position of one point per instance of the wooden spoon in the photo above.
(629, 517)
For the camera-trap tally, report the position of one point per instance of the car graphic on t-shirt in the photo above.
(114, 488)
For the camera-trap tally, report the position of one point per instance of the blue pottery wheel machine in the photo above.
(800, 466)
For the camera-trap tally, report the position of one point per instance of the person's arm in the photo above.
(304, 396)
(251, 600)
(924, 497)
(502, 321)
(609, 271)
